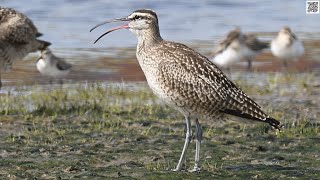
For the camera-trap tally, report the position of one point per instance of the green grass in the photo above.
(124, 132)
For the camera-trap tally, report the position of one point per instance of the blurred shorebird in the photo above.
(253, 46)
(228, 50)
(237, 46)
(287, 46)
(187, 80)
(50, 65)
(18, 37)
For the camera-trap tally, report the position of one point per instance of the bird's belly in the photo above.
(8, 55)
(227, 57)
(287, 52)
(164, 93)
(50, 70)
(247, 53)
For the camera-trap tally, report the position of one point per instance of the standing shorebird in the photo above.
(187, 80)
(287, 46)
(253, 46)
(237, 46)
(18, 37)
(50, 65)
(228, 50)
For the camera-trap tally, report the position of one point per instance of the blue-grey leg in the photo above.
(196, 167)
(186, 144)
(0, 78)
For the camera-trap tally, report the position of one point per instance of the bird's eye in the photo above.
(137, 18)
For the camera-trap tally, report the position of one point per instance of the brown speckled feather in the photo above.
(195, 85)
(18, 37)
(15, 27)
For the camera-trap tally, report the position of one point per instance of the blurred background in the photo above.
(66, 24)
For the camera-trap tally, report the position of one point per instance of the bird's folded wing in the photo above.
(190, 74)
(62, 65)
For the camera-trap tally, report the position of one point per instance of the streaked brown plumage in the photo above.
(187, 80)
(18, 37)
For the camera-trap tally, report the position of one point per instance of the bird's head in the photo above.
(45, 54)
(285, 31)
(139, 22)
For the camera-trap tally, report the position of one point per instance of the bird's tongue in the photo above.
(125, 26)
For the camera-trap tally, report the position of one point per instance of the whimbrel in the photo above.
(287, 46)
(237, 46)
(50, 65)
(18, 37)
(187, 80)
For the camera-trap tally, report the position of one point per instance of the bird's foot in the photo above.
(175, 170)
(196, 168)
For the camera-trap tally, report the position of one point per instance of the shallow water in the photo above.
(66, 23)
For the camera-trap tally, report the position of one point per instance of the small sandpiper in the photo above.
(237, 46)
(18, 38)
(227, 51)
(287, 46)
(50, 65)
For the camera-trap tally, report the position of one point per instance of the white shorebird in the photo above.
(287, 46)
(187, 80)
(237, 46)
(18, 37)
(50, 65)
(228, 50)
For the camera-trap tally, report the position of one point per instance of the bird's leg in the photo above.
(249, 64)
(196, 167)
(61, 82)
(285, 63)
(186, 144)
(0, 79)
(285, 66)
(229, 72)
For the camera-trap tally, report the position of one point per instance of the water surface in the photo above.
(66, 23)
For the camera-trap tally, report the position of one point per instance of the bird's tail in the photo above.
(274, 123)
(271, 121)
(265, 45)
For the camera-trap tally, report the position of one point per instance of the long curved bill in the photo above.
(125, 26)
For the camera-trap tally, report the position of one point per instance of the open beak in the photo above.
(125, 26)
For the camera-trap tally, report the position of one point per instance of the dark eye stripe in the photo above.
(137, 17)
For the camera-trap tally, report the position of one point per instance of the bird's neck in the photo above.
(149, 37)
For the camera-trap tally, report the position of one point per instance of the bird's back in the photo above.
(224, 43)
(254, 43)
(16, 28)
(18, 37)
